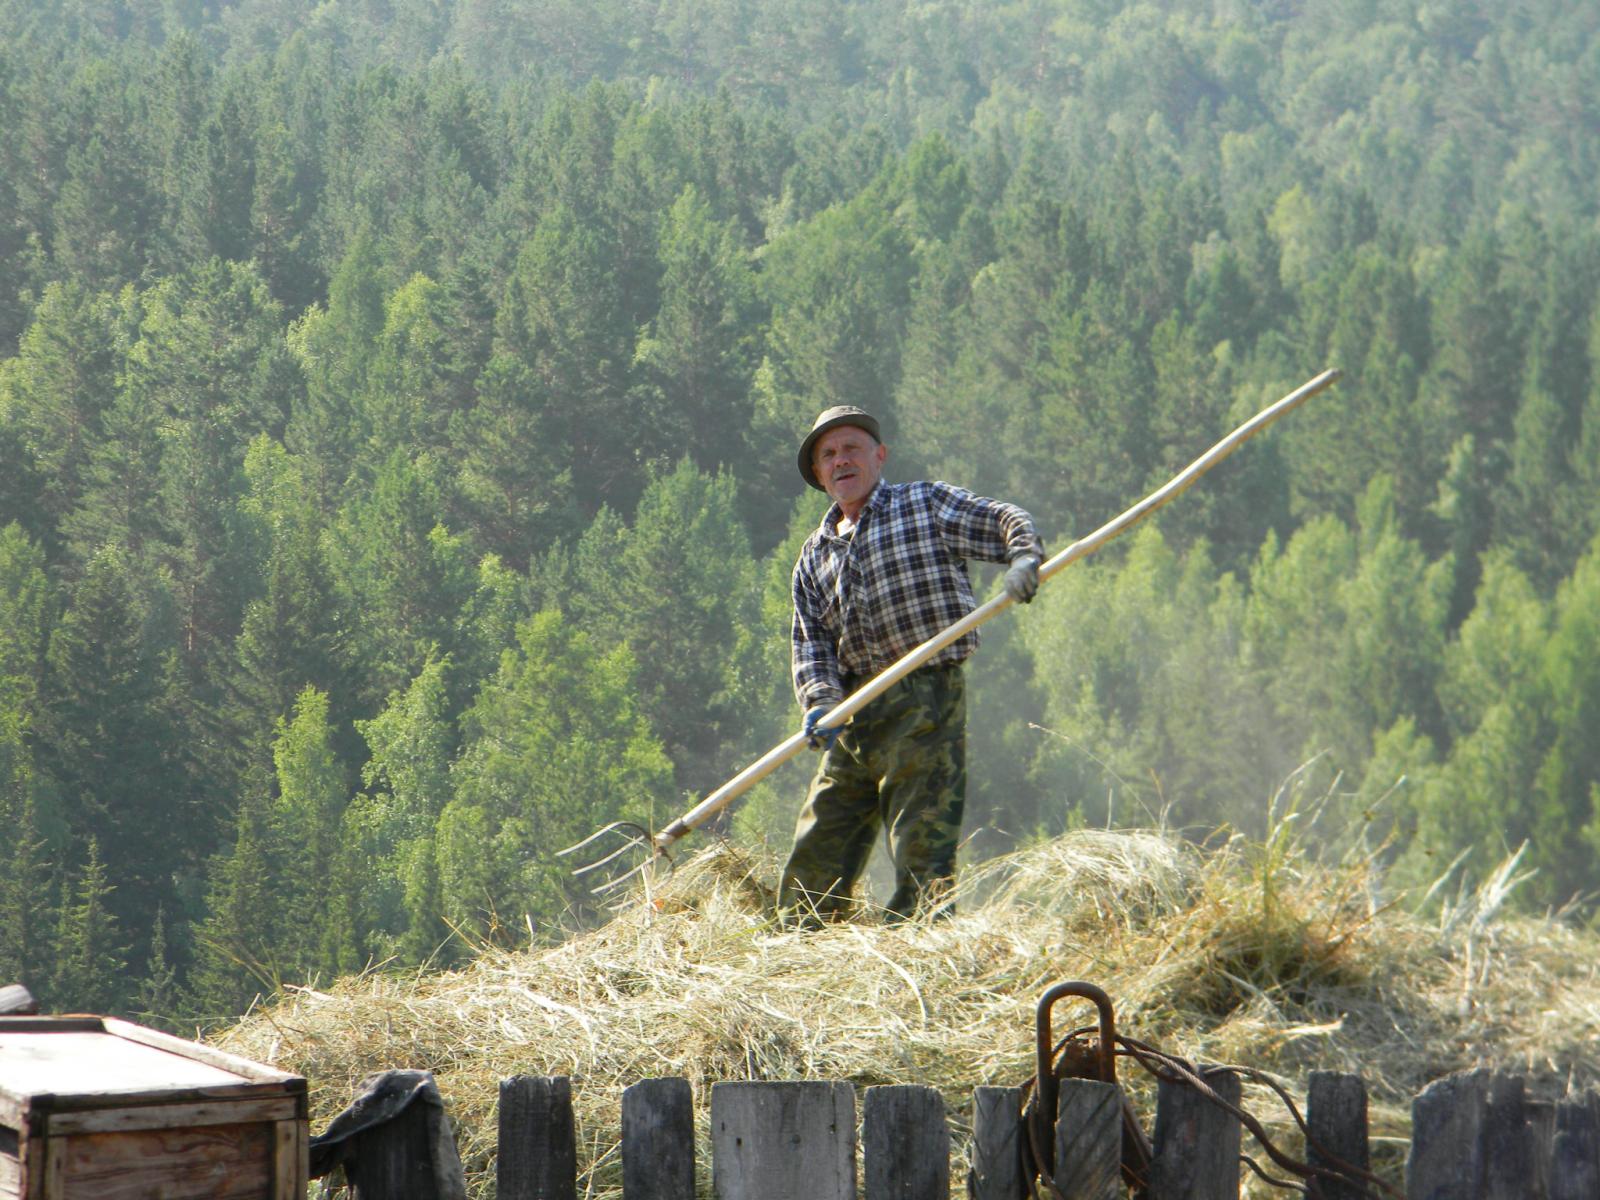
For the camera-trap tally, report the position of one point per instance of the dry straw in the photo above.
(1240, 952)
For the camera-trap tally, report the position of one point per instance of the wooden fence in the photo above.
(1475, 1136)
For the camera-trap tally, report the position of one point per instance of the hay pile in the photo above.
(1239, 953)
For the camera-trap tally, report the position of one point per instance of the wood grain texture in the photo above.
(10, 1175)
(171, 1116)
(1196, 1143)
(783, 1141)
(218, 1162)
(394, 1160)
(1445, 1161)
(1508, 1170)
(538, 1157)
(997, 1135)
(1088, 1140)
(905, 1142)
(1336, 1121)
(290, 1159)
(658, 1140)
(33, 1165)
(1575, 1150)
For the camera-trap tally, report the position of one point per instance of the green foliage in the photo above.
(56, 392)
(89, 955)
(399, 574)
(697, 355)
(391, 827)
(237, 942)
(334, 344)
(554, 746)
(682, 575)
(307, 832)
(26, 607)
(107, 738)
(28, 943)
(1565, 785)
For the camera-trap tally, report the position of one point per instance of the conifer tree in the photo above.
(400, 574)
(1544, 511)
(238, 954)
(698, 353)
(408, 397)
(314, 940)
(1479, 799)
(89, 951)
(108, 744)
(333, 346)
(121, 503)
(291, 634)
(683, 577)
(104, 215)
(28, 924)
(56, 393)
(563, 320)
(26, 605)
(279, 215)
(157, 999)
(515, 477)
(1568, 821)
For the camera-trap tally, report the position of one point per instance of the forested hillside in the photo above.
(398, 403)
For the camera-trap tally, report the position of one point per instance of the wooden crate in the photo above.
(93, 1107)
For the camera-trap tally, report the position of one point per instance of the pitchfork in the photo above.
(638, 838)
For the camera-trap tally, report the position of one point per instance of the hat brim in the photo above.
(859, 420)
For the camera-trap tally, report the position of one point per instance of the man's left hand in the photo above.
(1022, 578)
(820, 739)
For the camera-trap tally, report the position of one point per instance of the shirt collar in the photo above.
(877, 502)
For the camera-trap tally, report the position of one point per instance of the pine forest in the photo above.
(399, 402)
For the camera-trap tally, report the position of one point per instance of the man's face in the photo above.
(848, 463)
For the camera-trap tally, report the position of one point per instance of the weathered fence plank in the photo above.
(1445, 1161)
(1088, 1140)
(1196, 1142)
(1542, 1129)
(783, 1141)
(997, 1134)
(393, 1142)
(1336, 1126)
(658, 1140)
(905, 1142)
(393, 1160)
(1575, 1149)
(538, 1156)
(1508, 1170)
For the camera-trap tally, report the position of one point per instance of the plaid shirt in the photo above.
(863, 602)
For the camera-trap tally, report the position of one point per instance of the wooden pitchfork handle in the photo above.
(875, 687)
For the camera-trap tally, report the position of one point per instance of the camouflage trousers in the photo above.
(900, 766)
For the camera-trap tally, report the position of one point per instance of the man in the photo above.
(883, 573)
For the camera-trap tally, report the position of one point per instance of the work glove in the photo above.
(820, 739)
(1022, 578)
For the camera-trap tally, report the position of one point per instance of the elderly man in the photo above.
(883, 573)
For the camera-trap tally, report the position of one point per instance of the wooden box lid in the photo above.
(56, 1064)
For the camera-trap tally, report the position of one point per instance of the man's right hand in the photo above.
(820, 739)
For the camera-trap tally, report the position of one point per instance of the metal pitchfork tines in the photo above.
(658, 843)
(636, 837)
